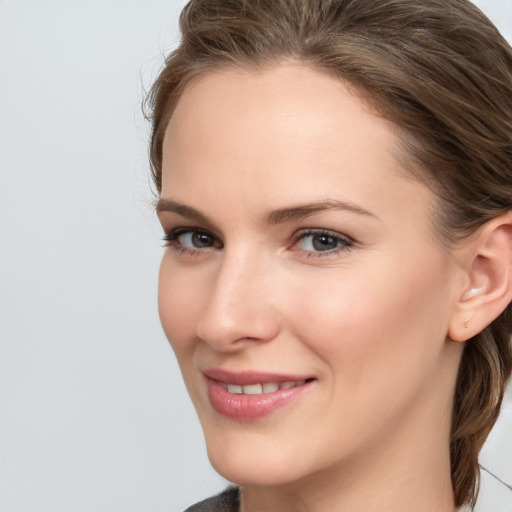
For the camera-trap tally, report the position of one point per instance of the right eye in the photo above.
(191, 240)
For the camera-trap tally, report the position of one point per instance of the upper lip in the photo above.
(246, 378)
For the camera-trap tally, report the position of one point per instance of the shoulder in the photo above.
(227, 501)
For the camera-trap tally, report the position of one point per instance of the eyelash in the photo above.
(343, 242)
(171, 239)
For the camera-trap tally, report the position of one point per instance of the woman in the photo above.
(335, 185)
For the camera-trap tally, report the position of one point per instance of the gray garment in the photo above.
(227, 501)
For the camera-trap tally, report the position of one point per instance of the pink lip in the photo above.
(250, 407)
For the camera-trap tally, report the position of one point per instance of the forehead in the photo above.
(291, 97)
(282, 132)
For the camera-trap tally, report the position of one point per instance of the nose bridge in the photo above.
(239, 307)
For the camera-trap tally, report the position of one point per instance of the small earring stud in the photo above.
(466, 324)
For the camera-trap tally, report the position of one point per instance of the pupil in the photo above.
(201, 240)
(324, 243)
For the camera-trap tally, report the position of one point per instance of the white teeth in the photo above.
(270, 387)
(253, 389)
(234, 388)
(258, 389)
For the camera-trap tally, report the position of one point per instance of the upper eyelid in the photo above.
(189, 229)
(320, 231)
(298, 233)
(179, 230)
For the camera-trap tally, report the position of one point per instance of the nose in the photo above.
(240, 309)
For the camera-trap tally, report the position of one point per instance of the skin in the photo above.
(368, 318)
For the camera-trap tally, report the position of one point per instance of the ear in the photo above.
(488, 287)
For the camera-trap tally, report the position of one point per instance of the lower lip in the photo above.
(251, 407)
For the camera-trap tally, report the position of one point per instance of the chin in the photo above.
(253, 459)
(247, 472)
(242, 459)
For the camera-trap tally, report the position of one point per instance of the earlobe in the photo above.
(489, 278)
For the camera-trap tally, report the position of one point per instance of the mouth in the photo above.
(261, 388)
(249, 396)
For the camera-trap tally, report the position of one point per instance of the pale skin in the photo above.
(354, 289)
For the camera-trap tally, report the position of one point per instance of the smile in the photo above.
(259, 389)
(249, 396)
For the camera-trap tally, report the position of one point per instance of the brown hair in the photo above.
(442, 73)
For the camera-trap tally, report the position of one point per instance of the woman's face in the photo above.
(303, 289)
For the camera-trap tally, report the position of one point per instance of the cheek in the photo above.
(179, 304)
(381, 343)
(366, 324)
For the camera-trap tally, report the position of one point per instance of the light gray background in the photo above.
(93, 413)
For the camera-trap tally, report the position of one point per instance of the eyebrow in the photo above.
(292, 213)
(302, 211)
(168, 205)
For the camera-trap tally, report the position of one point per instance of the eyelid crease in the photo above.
(323, 231)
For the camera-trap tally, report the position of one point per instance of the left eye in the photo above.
(195, 240)
(321, 242)
(191, 239)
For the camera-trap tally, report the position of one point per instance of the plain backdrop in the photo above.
(93, 414)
